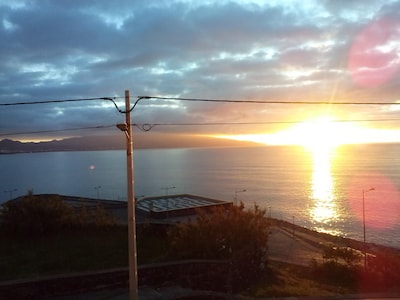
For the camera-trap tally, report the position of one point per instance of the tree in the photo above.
(235, 234)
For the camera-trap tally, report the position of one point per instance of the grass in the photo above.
(286, 280)
(68, 252)
(89, 250)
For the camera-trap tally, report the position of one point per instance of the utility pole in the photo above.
(127, 128)
(167, 189)
(133, 282)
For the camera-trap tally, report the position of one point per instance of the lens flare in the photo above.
(381, 200)
(374, 55)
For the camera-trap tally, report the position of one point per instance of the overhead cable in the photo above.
(139, 98)
(112, 99)
(148, 126)
(268, 101)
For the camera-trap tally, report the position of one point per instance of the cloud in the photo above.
(213, 49)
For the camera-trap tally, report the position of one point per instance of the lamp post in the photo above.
(10, 192)
(363, 208)
(236, 192)
(167, 189)
(293, 225)
(97, 188)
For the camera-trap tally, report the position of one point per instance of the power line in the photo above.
(272, 122)
(111, 99)
(267, 101)
(139, 98)
(148, 126)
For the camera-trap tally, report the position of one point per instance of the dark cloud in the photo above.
(223, 49)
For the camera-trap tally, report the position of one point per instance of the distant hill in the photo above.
(71, 144)
(117, 142)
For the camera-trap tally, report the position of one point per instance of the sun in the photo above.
(318, 134)
(315, 134)
(321, 134)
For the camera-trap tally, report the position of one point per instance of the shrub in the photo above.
(350, 256)
(34, 215)
(43, 214)
(332, 272)
(237, 235)
(385, 266)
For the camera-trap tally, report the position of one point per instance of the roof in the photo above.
(176, 205)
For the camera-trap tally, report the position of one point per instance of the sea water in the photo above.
(331, 191)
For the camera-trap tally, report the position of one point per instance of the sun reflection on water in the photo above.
(324, 210)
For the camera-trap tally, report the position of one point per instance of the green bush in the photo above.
(350, 256)
(236, 235)
(33, 215)
(332, 272)
(341, 267)
(44, 214)
(385, 266)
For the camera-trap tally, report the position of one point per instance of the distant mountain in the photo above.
(117, 142)
(70, 144)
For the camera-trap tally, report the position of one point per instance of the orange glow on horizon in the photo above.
(323, 132)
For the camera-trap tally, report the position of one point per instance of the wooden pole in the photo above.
(133, 282)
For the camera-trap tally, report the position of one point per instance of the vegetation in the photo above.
(45, 236)
(236, 235)
(342, 267)
(67, 252)
(350, 256)
(286, 280)
(43, 214)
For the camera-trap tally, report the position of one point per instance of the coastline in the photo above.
(288, 244)
(316, 239)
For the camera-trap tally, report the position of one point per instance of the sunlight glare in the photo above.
(322, 188)
(321, 133)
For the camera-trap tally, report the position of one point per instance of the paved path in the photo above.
(286, 247)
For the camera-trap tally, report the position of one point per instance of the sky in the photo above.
(285, 50)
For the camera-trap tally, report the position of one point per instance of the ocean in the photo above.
(320, 190)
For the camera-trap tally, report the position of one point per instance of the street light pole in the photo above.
(10, 193)
(236, 192)
(97, 188)
(365, 244)
(127, 128)
(167, 189)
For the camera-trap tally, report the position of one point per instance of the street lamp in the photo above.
(10, 192)
(167, 189)
(97, 188)
(293, 226)
(365, 245)
(236, 192)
